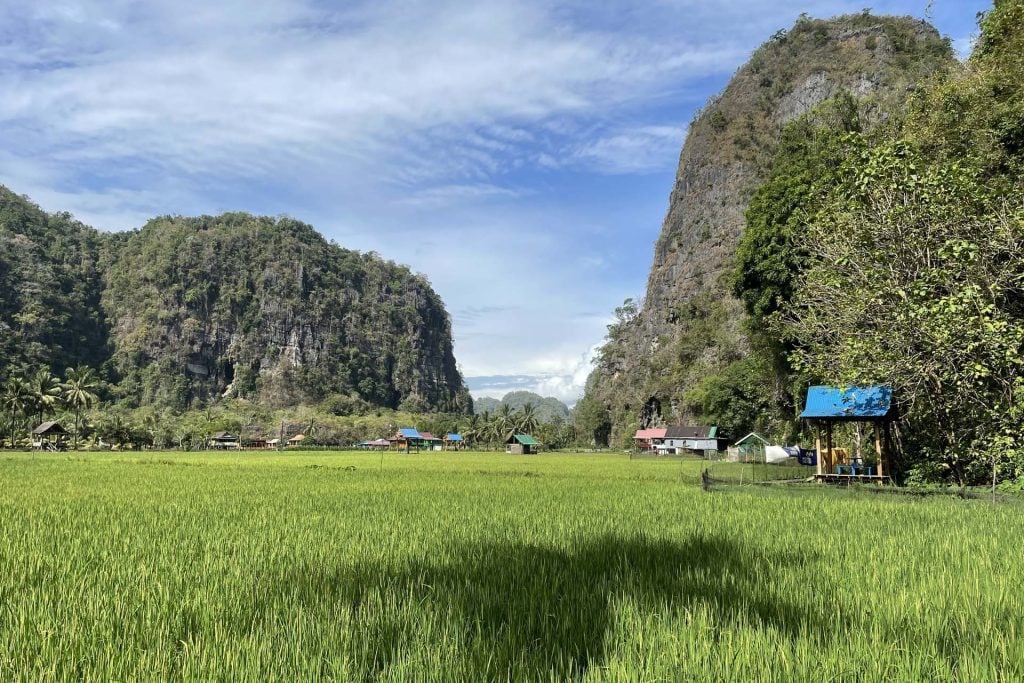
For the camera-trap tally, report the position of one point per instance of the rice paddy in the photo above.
(470, 566)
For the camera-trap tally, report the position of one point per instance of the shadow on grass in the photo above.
(532, 612)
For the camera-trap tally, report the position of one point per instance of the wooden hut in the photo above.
(454, 442)
(49, 436)
(828, 406)
(522, 444)
(223, 441)
(406, 439)
(297, 440)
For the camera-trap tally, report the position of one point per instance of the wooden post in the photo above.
(828, 439)
(817, 446)
(878, 451)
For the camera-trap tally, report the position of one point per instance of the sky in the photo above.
(519, 154)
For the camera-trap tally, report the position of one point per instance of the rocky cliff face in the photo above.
(188, 310)
(237, 305)
(689, 323)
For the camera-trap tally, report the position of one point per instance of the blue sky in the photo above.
(519, 154)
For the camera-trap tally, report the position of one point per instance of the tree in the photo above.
(916, 281)
(505, 423)
(45, 392)
(79, 386)
(526, 421)
(17, 400)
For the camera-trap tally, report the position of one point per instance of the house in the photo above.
(49, 436)
(454, 442)
(827, 406)
(522, 444)
(406, 439)
(272, 443)
(297, 440)
(223, 441)
(431, 442)
(697, 440)
(649, 439)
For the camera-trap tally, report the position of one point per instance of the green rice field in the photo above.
(485, 566)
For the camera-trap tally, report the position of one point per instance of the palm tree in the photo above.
(45, 392)
(526, 420)
(506, 422)
(78, 393)
(16, 401)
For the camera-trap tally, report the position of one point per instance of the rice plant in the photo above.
(463, 566)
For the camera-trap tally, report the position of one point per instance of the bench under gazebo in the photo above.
(828, 406)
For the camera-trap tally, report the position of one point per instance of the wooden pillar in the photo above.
(817, 446)
(878, 450)
(828, 439)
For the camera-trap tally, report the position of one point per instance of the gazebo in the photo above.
(48, 436)
(828, 406)
(454, 442)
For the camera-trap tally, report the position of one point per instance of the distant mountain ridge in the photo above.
(548, 408)
(187, 310)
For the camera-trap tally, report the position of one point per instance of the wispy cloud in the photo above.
(518, 152)
(635, 150)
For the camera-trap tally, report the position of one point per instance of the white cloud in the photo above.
(490, 145)
(634, 150)
(566, 386)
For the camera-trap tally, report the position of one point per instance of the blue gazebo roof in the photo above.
(850, 403)
(410, 433)
(454, 437)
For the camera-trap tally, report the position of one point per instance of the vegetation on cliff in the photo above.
(187, 312)
(889, 253)
(666, 362)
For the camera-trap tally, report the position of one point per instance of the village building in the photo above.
(649, 440)
(454, 442)
(522, 444)
(696, 440)
(406, 439)
(297, 440)
(431, 442)
(223, 441)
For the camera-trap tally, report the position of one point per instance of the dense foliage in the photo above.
(682, 356)
(895, 258)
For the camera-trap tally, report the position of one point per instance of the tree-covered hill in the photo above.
(186, 311)
(661, 357)
(548, 408)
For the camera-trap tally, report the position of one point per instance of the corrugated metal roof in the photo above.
(851, 403)
(650, 433)
(679, 432)
(427, 436)
(526, 440)
(409, 432)
(454, 437)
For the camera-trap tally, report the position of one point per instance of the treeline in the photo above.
(338, 422)
(893, 255)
